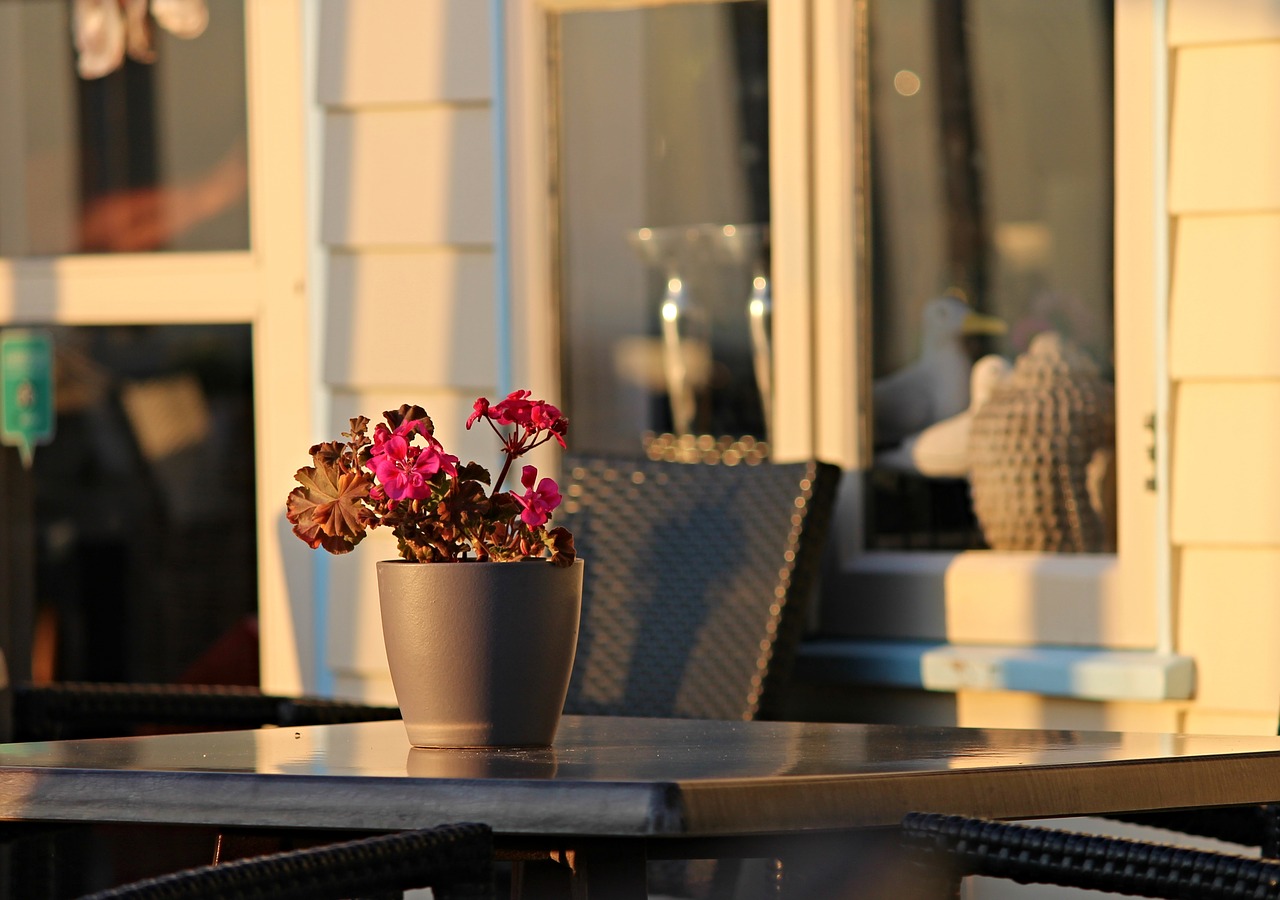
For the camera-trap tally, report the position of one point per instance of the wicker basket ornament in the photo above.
(1042, 454)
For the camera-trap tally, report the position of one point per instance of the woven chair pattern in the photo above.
(696, 582)
(1257, 825)
(1027, 854)
(455, 861)
(97, 709)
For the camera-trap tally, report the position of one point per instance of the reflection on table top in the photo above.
(617, 776)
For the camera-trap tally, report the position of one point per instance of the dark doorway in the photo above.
(139, 516)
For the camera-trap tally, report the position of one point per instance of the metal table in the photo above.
(613, 792)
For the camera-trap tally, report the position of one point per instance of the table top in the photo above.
(610, 776)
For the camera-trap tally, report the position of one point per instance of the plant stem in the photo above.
(506, 467)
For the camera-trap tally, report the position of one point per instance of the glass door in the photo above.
(662, 116)
(130, 543)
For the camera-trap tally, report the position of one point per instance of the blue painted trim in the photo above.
(501, 193)
(320, 623)
(1087, 673)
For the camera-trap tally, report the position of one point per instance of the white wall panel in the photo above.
(408, 176)
(1226, 128)
(1219, 21)
(1020, 709)
(1225, 478)
(1237, 667)
(1225, 308)
(403, 51)
(422, 317)
(355, 646)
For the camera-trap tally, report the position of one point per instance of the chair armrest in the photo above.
(455, 861)
(1029, 854)
(91, 709)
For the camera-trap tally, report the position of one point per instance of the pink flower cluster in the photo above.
(398, 476)
(536, 422)
(404, 470)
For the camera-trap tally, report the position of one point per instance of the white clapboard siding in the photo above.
(1225, 474)
(406, 223)
(1225, 129)
(403, 51)
(410, 318)
(1222, 21)
(1224, 193)
(408, 176)
(1236, 664)
(1225, 305)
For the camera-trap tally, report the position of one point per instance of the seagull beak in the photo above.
(977, 323)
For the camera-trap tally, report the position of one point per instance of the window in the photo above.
(825, 341)
(663, 218)
(142, 506)
(129, 134)
(985, 597)
(250, 271)
(990, 223)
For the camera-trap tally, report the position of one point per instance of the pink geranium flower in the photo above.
(398, 476)
(478, 411)
(538, 502)
(536, 421)
(514, 410)
(404, 471)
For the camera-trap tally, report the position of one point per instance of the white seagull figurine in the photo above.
(935, 386)
(942, 449)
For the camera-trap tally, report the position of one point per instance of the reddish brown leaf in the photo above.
(560, 541)
(329, 510)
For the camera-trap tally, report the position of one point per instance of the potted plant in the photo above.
(480, 613)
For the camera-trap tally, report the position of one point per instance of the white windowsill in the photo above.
(987, 597)
(1077, 672)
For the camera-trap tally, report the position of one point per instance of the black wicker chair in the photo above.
(455, 861)
(695, 592)
(73, 710)
(696, 583)
(81, 710)
(949, 848)
(1249, 826)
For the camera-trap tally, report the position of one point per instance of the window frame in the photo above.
(822, 327)
(986, 596)
(265, 287)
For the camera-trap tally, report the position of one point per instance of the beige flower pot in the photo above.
(480, 653)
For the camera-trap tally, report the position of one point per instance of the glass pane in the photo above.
(141, 508)
(664, 212)
(128, 132)
(991, 182)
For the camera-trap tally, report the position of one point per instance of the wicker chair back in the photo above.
(696, 582)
